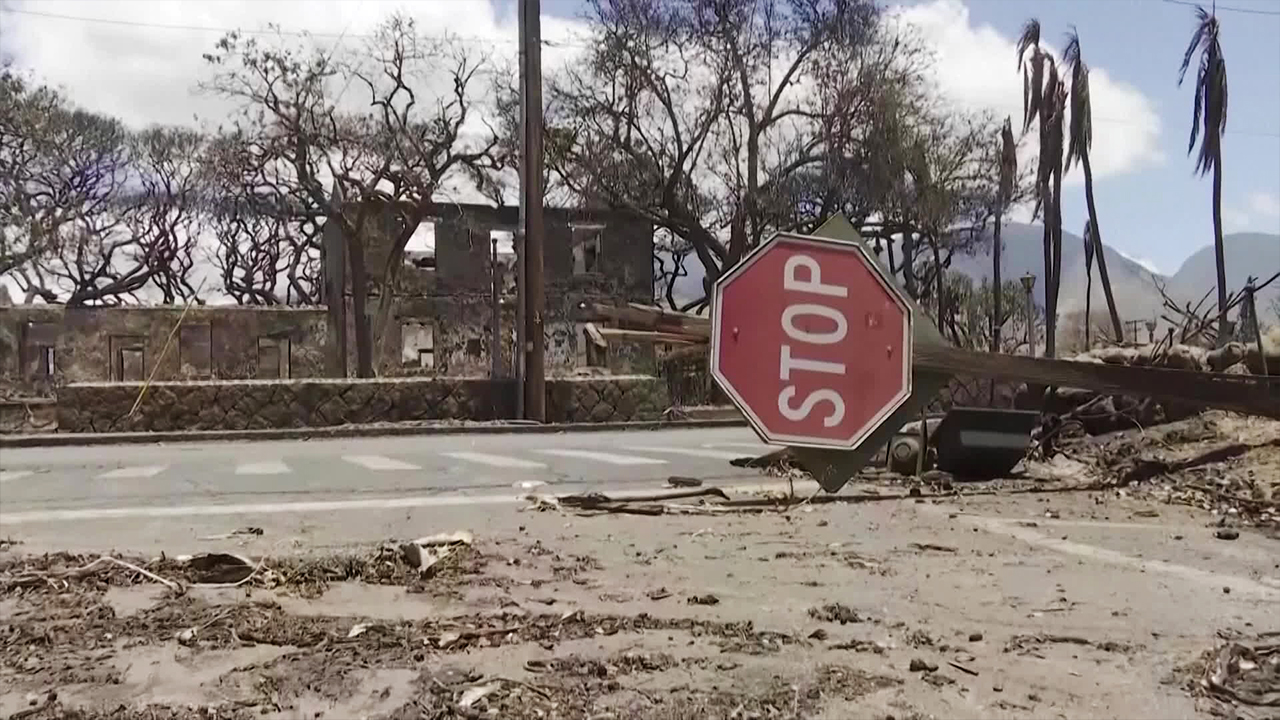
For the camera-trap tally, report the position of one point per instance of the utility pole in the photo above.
(495, 322)
(533, 348)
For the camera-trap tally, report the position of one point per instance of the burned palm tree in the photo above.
(1080, 141)
(1053, 213)
(1090, 238)
(1008, 172)
(1043, 99)
(1208, 121)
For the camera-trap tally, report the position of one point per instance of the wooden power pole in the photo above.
(533, 347)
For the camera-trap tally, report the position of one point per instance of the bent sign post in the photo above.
(812, 341)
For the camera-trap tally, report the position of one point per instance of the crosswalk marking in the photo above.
(271, 467)
(378, 462)
(501, 461)
(140, 471)
(7, 475)
(691, 452)
(604, 457)
(763, 448)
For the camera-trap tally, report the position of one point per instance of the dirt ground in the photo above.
(1131, 576)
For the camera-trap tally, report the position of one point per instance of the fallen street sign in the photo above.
(823, 352)
(812, 341)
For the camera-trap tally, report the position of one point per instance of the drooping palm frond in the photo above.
(1033, 88)
(1080, 136)
(1210, 110)
(1030, 38)
(1032, 72)
(1051, 110)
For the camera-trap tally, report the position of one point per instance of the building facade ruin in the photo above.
(456, 288)
(447, 316)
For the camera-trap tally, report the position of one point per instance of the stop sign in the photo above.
(812, 341)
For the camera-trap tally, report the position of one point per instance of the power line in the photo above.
(1223, 8)
(276, 31)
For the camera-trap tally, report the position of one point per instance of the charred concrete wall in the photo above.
(442, 315)
(452, 335)
(263, 404)
(42, 344)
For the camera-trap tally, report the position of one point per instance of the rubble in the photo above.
(1244, 675)
(1223, 463)
(835, 612)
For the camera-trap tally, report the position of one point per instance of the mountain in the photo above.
(1134, 286)
(1246, 254)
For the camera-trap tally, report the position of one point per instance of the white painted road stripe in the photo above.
(395, 503)
(7, 475)
(1006, 526)
(501, 461)
(691, 452)
(142, 471)
(760, 448)
(273, 467)
(604, 457)
(378, 462)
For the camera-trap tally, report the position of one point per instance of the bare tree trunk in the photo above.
(909, 264)
(1218, 253)
(1100, 256)
(996, 318)
(1048, 274)
(939, 283)
(1051, 310)
(1088, 305)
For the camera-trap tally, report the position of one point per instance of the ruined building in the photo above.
(441, 317)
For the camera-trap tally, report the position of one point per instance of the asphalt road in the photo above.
(69, 484)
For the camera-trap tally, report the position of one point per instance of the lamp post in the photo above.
(1029, 284)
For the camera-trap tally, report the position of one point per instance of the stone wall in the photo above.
(263, 404)
(39, 343)
(606, 399)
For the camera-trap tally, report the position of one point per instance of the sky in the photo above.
(114, 56)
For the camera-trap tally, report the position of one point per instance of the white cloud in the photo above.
(147, 75)
(976, 66)
(1235, 220)
(1265, 204)
(1259, 212)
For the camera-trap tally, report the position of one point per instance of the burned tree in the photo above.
(60, 171)
(163, 214)
(707, 117)
(88, 255)
(267, 242)
(408, 128)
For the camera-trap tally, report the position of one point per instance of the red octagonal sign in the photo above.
(812, 341)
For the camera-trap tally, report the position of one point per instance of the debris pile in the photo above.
(1243, 675)
(410, 564)
(594, 684)
(1098, 413)
(1229, 465)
